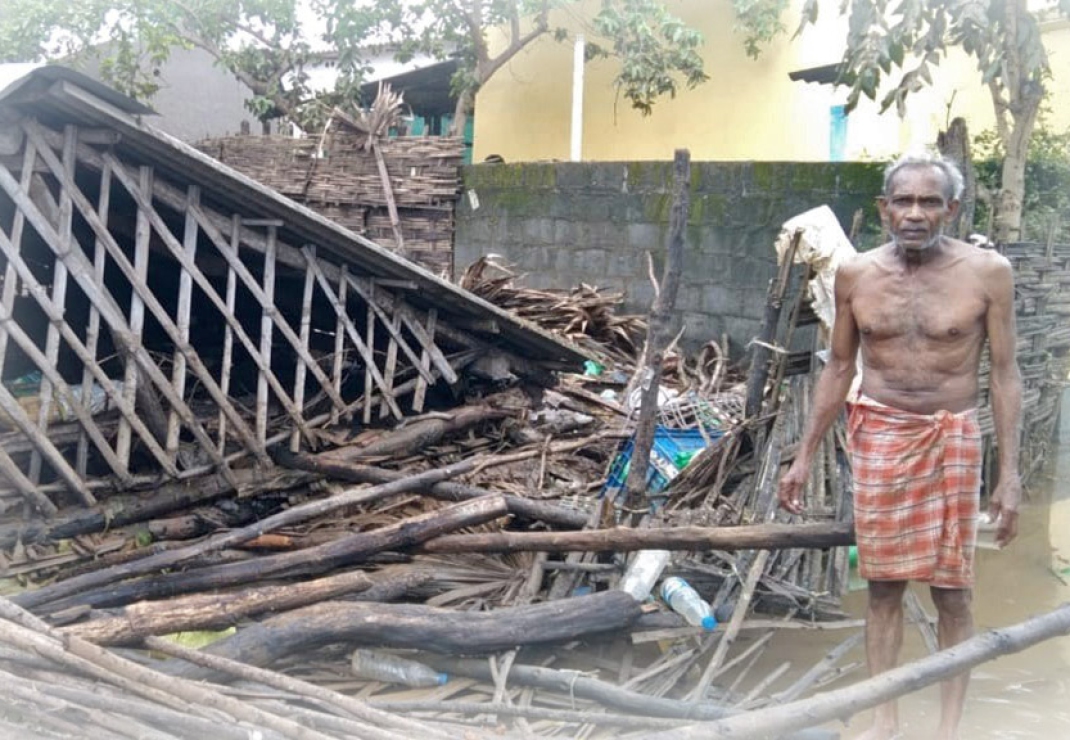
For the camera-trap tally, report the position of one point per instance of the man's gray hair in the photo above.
(952, 173)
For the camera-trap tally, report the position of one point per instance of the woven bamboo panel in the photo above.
(338, 178)
(423, 170)
(1042, 303)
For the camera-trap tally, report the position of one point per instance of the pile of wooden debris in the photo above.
(468, 541)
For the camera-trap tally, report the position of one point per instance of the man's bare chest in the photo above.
(946, 309)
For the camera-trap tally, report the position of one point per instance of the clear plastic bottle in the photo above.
(686, 602)
(389, 668)
(643, 572)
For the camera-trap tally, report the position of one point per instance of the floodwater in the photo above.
(1020, 696)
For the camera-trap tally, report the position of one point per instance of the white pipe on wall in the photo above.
(576, 149)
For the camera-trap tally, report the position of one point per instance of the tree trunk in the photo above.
(446, 631)
(1008, 223)
(955, 145)
(465, 102)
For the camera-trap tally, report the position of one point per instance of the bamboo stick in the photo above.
(41, 442)
(880, 689)
(185, 294)
(138, 191)
(59, 293)
(98, 662)
(137, 314)
(390, 368)
(11, 282)
(267, 309)
(425, 362)
(318, 694)
(369, 311)
(306, 334)
(92, 331)
(228, 331)
(339, 341)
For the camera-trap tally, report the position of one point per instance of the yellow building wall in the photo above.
(749, 109)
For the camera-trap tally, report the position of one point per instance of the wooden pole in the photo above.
(843, 703)
(659, 334)
(626, 539)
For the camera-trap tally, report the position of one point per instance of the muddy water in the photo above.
(1025, 695)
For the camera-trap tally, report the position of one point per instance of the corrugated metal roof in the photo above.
(63, 96)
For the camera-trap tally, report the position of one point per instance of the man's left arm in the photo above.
(1006, 396)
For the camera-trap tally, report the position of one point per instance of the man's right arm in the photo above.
(830, 393)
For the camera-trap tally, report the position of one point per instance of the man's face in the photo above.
(917, 207)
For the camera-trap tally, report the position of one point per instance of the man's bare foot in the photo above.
(945, 734)
(880, 732)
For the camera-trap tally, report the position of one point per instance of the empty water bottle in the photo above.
(644, 571)
(686, 602)
(388, 668)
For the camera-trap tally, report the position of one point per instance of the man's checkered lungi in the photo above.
(917, 481)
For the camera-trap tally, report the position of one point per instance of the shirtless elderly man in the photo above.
(920, 309)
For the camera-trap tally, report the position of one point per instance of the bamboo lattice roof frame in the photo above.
(68, 152)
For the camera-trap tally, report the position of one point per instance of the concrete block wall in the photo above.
(565, 223)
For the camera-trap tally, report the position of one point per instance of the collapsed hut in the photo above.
(213, 316)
